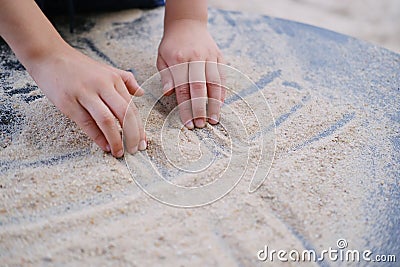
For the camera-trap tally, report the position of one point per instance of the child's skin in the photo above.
(93, 94)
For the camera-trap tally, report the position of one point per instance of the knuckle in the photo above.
(198, 86)
(98, 137)
(214, 91)
(183, 90)
(86, 123)
(106, 120)
(196, 54)
(129, 76)
(179, 56)
(213, 81)
(114, 76)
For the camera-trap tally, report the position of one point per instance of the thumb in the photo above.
(130, 82)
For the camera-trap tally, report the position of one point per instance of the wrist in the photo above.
(41, 52)
(180, 27)
(185, 23)
(44, 58)
(178, 10)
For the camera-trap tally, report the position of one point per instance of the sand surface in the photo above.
(374, 21)
(334, 173)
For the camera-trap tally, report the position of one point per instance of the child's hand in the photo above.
(90, 93)
(93, 95)
(188, 41)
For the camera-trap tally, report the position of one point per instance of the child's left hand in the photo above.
(188, 41)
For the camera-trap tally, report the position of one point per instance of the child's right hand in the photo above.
(92, 94)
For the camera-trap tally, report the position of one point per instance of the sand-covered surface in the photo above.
(334, 173)
(374, 21)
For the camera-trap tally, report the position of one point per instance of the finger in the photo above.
(142, 134)
(166, 76)
(213, 91)
(89, 126)
(105, 121)
(127, 121)
(198, 92)
(184, 105)
(128, 116)
(222, 68)
(180, 75)
(130, 82)
(134, 136)
(123, 90)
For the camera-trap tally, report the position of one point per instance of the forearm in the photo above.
(185, 10)
(27, 31)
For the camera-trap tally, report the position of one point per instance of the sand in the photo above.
(65, 202)
(374, 21)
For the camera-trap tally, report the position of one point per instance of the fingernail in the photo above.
(108, 148)
(214, 118)
(189, 125)
(199, 123)
(120, 153)
(142, 145)
(134, 150)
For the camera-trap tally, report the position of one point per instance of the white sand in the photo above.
(374, 21)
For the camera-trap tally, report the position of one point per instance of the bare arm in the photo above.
(27, 30)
